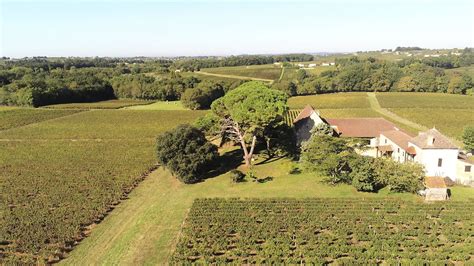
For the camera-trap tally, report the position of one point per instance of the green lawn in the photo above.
(330, 101)
(110, 104)
(145, 228)
(169, 105)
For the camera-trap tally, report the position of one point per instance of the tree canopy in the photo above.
(246, 111)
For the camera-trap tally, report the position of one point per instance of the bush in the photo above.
(329, 156)
(468, 138)
(187, 153)
(363, 174)
(237, 176)
(399, 177)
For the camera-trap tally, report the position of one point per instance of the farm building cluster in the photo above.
(441, 158)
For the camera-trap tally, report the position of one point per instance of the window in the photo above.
(467, 168)
(440, 162)
(385, 141)
(398, 150)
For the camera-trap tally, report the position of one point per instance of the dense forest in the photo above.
(371, 74)
(41, 81)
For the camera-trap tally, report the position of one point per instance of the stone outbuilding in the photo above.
(436, 189)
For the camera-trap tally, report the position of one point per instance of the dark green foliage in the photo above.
(167, 88)
(237, 176)
(196, 64)
(363, 174)
(356, 74)
(209, 124)
(202, 96)
(468, 138)
(319, 231)
(329, 156)
(399, 177)
(187, 153)
(335, 158)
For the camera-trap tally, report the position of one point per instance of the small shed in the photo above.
(436, 188)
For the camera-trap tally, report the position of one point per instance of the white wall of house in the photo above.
(465, 173)
(304, 127)
(430, 159)
(398, 154)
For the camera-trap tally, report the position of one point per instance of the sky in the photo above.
(190, 28)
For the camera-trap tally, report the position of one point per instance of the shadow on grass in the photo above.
(228, 161)
(270, 160)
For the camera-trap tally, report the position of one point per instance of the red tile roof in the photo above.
(411, 150)
(360, 127)
(305, 113)
(434, 182)
(398, 137)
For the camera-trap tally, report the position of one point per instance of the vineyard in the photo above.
(20, 117)
(109, 104)
(331, 101)
(322, 231)
(60, 177)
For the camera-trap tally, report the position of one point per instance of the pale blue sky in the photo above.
(164, 28)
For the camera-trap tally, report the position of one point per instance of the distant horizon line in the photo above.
(220, 55)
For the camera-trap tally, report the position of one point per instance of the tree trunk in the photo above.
(248, 154)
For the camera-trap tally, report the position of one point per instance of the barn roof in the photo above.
(305, 113)
(360, 127)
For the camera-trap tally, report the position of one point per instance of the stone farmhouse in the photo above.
(439, 156)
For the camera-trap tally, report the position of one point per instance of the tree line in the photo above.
(195, 64)
(370, 74)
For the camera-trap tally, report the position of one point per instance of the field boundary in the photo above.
(234, 77)
(375, 105)
(281, 74)
(50, 119)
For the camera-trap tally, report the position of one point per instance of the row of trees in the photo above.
(195, 64)
(356, 74)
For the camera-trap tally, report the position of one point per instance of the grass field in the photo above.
(425, 100)
(449, 121)
(270, 72)
(318, 69)
(145, 228)
(331, 101)
(171, 105)
(16, 117)
(110, 104)
(60, 176)
(469, 70)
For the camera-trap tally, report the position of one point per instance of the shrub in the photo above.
(363, 174)
(187, 153)
(468, 138)
(399, 177)
(237, 176)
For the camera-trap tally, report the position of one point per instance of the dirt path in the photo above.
(375, 105)
(234, 76)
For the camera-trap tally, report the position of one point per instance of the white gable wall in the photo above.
(398, 154)
(429, 158)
